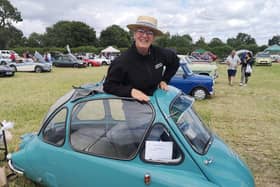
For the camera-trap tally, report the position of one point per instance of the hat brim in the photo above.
(134, 27)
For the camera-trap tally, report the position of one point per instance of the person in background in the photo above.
(49, 57)
(140, 70)
(248, 61)
(232, 61)
(13, 57)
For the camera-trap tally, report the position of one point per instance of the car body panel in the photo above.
(91, 62)
(187, 81)
(6, 71)
(201, 67)
(4, 60)
(68, 60)
(30, 66)
(214, 160)
(263, 59)
(103, 60)
(64, 165)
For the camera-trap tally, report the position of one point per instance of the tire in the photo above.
(75, 65)
(104, 63)
(38, 69)
(199, 93)
(89, 65)
(14, 68)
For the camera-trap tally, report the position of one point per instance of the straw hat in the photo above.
(147, 22)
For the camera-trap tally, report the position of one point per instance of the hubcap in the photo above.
(199, 94)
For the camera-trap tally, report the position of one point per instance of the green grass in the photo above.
(246, 118)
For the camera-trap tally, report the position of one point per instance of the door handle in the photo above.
(208, 161)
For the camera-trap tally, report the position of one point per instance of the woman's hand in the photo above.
(139, 95)
(163, 86)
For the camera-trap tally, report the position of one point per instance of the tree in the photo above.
(35, 40)
(201, 43)
(11, 37)
(180, 41)
(8, 14)
(115, 35)
(274, 40)
(215, 42)
(73, 33)
(162, 41)
(241, 39)
(245, 39)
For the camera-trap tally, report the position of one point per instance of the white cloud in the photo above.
(207, 18)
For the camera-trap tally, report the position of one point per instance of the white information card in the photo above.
(157, 150)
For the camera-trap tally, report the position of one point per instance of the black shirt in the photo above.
(133, 70)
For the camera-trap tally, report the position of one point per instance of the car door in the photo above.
(216, 160)
(182, 81)
(29, 65)
(20, 66)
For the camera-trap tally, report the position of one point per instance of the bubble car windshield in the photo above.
(58, 103)
(189, 123)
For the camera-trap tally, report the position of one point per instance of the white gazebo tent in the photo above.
(110, 52)
(110, 49)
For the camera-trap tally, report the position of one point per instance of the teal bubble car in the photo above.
(90, 138)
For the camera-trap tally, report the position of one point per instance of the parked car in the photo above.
(68, 60)
(4, 60)
(263, 59)
(31, 66)
(198, 86)
(7, 53)
(91, 62)
(6, 71)
(275, 58)
(103, 60)
(201, 68)
(90, 138)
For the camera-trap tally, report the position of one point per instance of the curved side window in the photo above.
(190, 124)
(54, 131)
(111, 128)
(160, 147)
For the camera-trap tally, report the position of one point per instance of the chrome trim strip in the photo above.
(14, 169)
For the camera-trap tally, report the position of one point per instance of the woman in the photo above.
(140, 70)
(245, 73)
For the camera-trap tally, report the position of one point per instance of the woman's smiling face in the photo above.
(143, 39)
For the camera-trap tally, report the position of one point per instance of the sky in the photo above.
(199, 18)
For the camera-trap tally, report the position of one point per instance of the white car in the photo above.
(103, 60)
(4, 60)
(30, 65)
(275, 58)
(201, 67)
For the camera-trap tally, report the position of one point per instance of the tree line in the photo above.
(82, 38)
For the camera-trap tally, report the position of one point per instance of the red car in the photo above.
(91, 62)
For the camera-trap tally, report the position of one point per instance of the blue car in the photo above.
(90, 138)
(198, 86)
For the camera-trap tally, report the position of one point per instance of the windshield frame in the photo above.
(201, 126)
(186, 68)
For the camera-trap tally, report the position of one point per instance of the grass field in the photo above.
(247, 118)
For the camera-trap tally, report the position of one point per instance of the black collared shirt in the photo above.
(133, 70)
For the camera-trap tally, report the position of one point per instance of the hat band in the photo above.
(146, 24)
